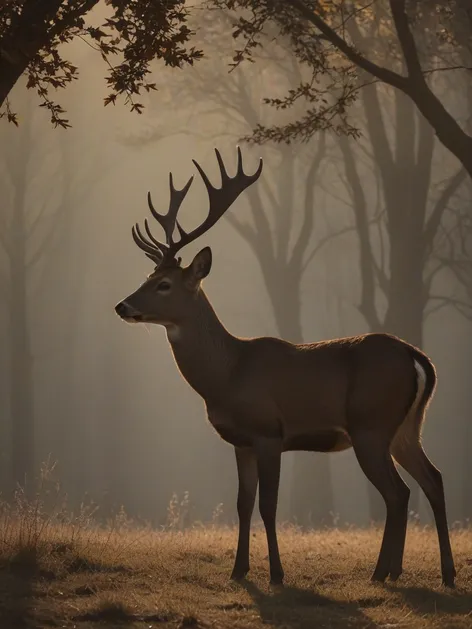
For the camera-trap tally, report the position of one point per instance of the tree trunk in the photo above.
(286, 304)
(447, 129)
(26, 33)
(9, 75)
(467, 486)
(21, 359)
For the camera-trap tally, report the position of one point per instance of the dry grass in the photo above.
(67, 572)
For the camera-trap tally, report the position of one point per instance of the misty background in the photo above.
(324, 245)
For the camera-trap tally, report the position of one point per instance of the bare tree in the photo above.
(27, 231)
(43, 189)
(338, 41)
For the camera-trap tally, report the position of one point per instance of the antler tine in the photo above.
(167, 221)
(240, 162)
(150, 247)
(156, 242)
(151, 251)
(220, 198)
(221, 164)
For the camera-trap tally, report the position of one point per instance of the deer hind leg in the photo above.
(372, 452)
(248, 479)
(411, 456)
(269, 453)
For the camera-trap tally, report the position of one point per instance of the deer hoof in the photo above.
(395, 575)
(378, 577)
(448, 581)
(276, 587)
(239, 575)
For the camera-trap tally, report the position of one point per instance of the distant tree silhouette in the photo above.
(41, 189)
(338, 42)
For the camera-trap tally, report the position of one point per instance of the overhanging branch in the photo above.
(407, 42)
(384, 74)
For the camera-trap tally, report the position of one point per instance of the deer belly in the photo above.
(327, 440)
(240, 428)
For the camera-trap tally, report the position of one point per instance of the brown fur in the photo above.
(266, 396)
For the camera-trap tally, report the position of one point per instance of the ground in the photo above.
(75, 575)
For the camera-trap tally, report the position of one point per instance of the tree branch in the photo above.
(464, 307)
(308, 214)
(246, 232)
(423, 165)
(382, 152)
(407, 42)
(324, 241)
(367, 305)
(44, 246)
(447, 129)
(384, 74)
(434, 220)
(284, 214)
(269, 192)
(261, 222)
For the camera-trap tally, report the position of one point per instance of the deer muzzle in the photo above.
(127, 312)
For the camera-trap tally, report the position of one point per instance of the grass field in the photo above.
(69, 573)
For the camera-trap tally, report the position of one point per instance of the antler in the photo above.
(154, 249)
(220, 199)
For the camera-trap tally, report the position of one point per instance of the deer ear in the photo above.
(201, 265)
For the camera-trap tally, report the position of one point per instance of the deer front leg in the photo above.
(248, 477)
(269, 452)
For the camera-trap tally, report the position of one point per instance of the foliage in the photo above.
(329, 85)
(346, 44)
(33, 35)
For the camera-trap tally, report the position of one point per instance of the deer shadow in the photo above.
(18, 576)
(429, 601)
(298, 608)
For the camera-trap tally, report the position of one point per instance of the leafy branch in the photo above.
(32, 36)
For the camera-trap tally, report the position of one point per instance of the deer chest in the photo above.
(230, 431)
(233, 436)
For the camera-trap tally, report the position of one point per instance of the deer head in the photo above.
(168, 293)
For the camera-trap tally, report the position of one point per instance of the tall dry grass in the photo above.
(63, 569)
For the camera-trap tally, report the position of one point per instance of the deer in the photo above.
(265, 396)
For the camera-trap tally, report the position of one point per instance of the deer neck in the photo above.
(204, 350)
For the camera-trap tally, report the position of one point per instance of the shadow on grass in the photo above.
(425, 601)
(18, 575)
(304, 609)
(22, 584)
(117, 613)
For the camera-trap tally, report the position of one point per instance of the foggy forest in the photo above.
(360, 222)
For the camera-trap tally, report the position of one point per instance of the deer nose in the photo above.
(124, 310)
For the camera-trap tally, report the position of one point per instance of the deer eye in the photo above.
(163, 287)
